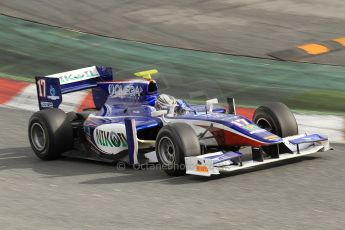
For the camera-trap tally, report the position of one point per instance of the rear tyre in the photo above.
(50, 133)
(174, 142)
(276, 118)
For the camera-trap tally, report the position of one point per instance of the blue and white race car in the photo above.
(134, 123)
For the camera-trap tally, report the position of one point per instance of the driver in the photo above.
(166, 102)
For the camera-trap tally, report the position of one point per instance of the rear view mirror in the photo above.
(209, 104)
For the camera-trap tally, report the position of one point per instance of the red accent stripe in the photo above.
(233, 139)
(86, 103)
(246, 112)
(226, 138)
(10, 88)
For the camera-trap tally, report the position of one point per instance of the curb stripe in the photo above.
(86, 103)
(10, 88)
(314, 49)
(309, 50)
(341, 41)
(72, 101)
(26, 99)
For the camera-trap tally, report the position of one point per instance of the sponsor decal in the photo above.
(201, 168)
(76, 75)
(52, 93)
(110, 139)
(69, 78)
(121, 91)
(250, 127)
(253, 128)
(46, 104)
(271, 137)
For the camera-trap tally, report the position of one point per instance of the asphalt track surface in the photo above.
(78, 194)
(244, 27)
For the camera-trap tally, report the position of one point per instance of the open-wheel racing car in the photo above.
(135, 124)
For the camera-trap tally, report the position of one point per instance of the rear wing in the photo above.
(50, 88)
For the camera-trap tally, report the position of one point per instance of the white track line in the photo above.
(26, 100)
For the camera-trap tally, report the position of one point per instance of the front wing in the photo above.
(216, 163)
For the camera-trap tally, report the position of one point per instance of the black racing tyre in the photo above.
(174, 142)
(276, 118)
(50, 133)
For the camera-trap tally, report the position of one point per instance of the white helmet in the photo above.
(165, 101)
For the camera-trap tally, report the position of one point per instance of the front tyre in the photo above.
(174, 142)
(50, 133)
(276, 118)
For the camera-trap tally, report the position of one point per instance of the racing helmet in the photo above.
(165, 101)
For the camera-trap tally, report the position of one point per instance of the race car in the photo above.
(132, 122)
